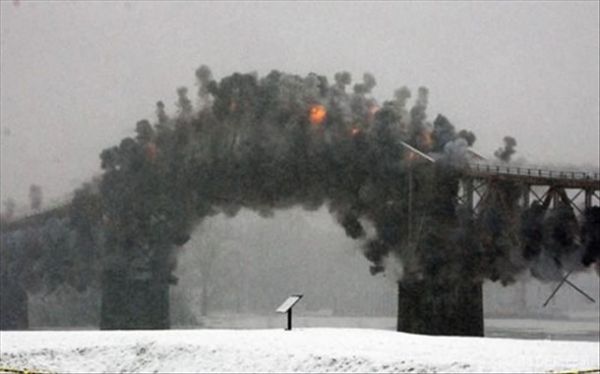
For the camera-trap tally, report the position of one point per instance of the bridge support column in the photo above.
(13, 305)
(526, 192)
(130, 303)
(588, 198)
(435, 308)
(469, 191)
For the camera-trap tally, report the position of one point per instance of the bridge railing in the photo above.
(532, 171)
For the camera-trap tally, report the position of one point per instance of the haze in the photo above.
(75, 77)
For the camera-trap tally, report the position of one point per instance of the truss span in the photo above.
(533, 176)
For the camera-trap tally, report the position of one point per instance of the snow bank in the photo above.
(304, 350)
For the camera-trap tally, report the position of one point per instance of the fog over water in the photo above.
(76, 77)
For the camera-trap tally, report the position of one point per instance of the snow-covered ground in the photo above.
(275, 350)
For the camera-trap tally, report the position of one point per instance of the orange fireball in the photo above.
(317, 114)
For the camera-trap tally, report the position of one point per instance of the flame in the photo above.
(355, 131)
(317, 114)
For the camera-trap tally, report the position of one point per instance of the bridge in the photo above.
(480, 177)
(36, 218)
(537, 184)
(479, 181)
(546, 186)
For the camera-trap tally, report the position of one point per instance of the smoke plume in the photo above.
(282, 140)
(505, 153)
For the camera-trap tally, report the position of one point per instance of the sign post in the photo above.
(287, 306)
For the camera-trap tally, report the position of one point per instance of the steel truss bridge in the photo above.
(479, 181)
(577, 189)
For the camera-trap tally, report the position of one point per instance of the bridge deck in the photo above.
(535, 176)
(36, 218)
(520, 174)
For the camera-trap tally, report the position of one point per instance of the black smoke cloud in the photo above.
(281, 141)
(506, 152)
(253, 143)
(590, 236)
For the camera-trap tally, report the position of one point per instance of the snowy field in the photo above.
(275, 350)
(584, 328)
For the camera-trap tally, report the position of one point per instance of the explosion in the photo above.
(249, 145)
(317, 114)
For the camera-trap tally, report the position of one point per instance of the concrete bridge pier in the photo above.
(13, 305)
(130, 303)
(434, 308)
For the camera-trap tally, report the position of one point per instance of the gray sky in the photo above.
(76, 76)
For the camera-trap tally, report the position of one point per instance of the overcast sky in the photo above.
(76, 76)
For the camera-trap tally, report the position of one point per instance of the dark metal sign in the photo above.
(287, 306)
